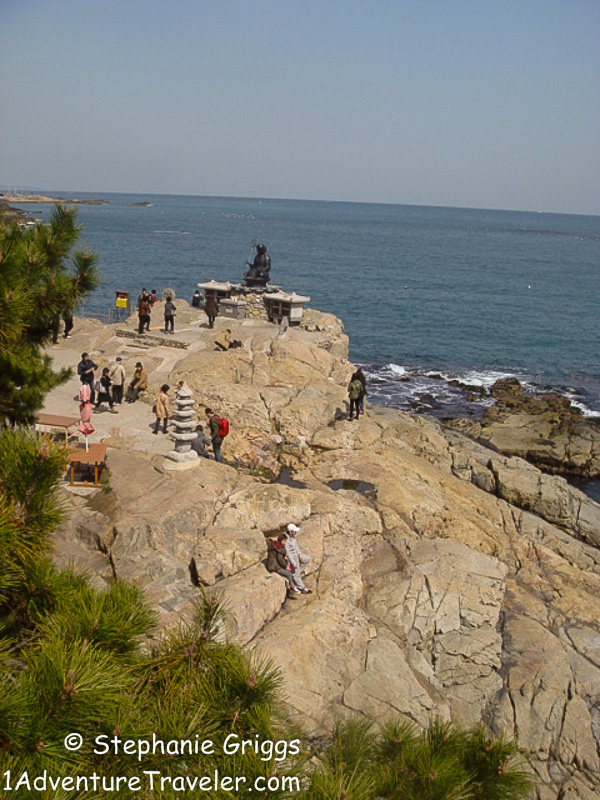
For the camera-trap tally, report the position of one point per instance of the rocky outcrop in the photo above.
(448, 579)
(544, 429)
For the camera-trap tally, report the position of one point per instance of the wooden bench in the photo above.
(96, 455)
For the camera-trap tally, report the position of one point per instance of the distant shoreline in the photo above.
(42, 198)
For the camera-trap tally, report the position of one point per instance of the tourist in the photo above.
(360, 376)
(211, 309)
(143, 309)
(298, 560)
(197, 300)
(214, 424)
(104, 392)
(54, 326)
(278, 562)
(143, 295)
(355, 392)
(138, 384)
(85, 370)
(152, 298)
(201, 442)
(117, 375)
(222, 342)
(170, 312)
(68, 320)
(161, 408)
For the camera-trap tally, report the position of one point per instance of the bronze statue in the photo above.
(258, 272)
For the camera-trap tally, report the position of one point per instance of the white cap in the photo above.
(292, 527)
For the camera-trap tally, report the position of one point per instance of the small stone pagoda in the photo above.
(184, 419)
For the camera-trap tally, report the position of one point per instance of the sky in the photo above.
(471, 103)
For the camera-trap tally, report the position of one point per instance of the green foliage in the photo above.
(399, 763)
(39, 281)
(75, 659)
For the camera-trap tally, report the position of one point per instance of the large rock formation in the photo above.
(449, 580)
(544, 429)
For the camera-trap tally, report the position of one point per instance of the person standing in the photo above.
(117, 375)
(68, 320)
(211, 310)
(298, 560)
(85, 370)
(161, 408)
(170, 312)
(359, 375)
(143, 309)
(104, 395)
(214, 424)
(355, 390)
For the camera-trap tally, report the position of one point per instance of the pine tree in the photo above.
(40, 279)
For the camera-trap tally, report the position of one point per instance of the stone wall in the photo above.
(255, 306)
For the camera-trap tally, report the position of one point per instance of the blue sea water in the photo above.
(426, 294)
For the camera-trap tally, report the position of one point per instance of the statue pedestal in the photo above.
(180, 466)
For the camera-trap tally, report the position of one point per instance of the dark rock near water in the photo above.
(544, 429)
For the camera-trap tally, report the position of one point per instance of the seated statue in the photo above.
(258, 274)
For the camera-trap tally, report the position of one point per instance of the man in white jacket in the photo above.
(117, 375)
(298, 560)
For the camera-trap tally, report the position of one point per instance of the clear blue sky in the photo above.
(483, 103)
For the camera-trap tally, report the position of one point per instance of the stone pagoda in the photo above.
(184, 419)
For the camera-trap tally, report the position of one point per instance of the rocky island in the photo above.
(449, 579)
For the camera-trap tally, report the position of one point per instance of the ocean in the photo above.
(438, 302)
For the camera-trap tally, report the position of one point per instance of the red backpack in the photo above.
(223, 425)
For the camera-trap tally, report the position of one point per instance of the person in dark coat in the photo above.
(359, 375)
(105, 394)
(143, 310)
(211, 310)
(170, 312)
(85, 370)
(68, 320)
(278, 562)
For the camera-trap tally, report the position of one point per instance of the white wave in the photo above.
(396, 370)
(485, 378)
(587, 412)
(179, 233)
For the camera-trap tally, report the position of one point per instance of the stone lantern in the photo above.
(184, 419)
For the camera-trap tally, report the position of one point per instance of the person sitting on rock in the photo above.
(138, 384)
(298, 560)
(278, 562)
(201, 442)
(222, 342)
(196, 299)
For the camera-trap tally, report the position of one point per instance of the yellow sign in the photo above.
(122, 300)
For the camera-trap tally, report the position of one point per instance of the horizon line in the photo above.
(299, 200)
